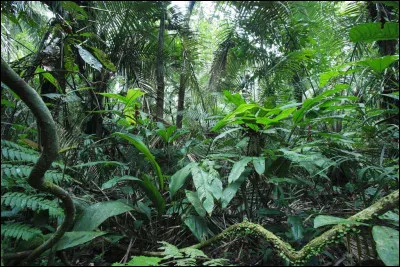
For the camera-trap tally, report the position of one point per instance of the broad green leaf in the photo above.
(387, 244)
(134, 140)
(75, 238)
(259, 164)
(238, 168)
(379, 64)
(110, 183)
(296, 227)
(198, 226)
(132, 95)
(116, 96)
(231, 190)
(391, 217)
(235, 99)
(96, 214)
(178, 179)
(373, 31)
(89, 58)
(103, 58)
(196, 203)
(208, 186)
(322, 220)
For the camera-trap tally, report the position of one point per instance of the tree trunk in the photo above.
(160, 67)
(182, 81)
(181, 93)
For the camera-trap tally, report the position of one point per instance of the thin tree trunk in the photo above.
(182, 81)
(181, 93)
(160, 67)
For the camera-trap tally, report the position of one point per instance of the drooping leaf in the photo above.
(374, 31)
(103, 58)
(178, 179)
(151, 191)
(259, 164)
(387, 244)
(96, 214)
(76, 238)
(196, 203)
(134, 140)
(238, 168)
(198, 226)
(231, 190)
(89, 58)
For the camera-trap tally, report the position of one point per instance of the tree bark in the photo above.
(182, 81)
(160, 67)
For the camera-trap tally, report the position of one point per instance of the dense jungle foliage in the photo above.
(152, 133)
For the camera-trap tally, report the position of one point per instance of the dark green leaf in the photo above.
(72, 239)
(96, 214)
(178, 179)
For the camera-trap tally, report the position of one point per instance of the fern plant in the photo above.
(19, 231)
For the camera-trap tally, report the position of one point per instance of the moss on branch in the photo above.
(316, 245)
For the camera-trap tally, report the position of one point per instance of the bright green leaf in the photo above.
(374, 31)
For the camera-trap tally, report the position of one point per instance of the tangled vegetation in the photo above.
(199, 133)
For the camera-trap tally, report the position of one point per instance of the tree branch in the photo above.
(47, 131)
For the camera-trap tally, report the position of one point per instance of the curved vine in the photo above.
(316, 245)
(49, 142)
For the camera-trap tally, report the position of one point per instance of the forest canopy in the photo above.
(168, 133)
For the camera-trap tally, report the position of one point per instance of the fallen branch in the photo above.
(316, 245)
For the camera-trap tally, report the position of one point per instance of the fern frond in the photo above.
(194, 253)
(22, 171)
(12, 154)
(18, 231)
(15, 146)
(21, 200)
(217, 262)
(170, 251)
